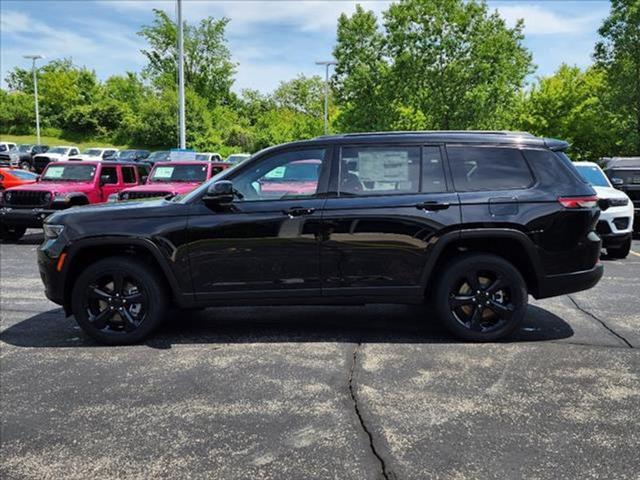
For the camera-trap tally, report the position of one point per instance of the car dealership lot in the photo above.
(322, 392)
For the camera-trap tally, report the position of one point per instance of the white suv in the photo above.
(615, 225)
(96, 154)
(60, 153)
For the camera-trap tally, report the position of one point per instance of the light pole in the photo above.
(181, 108)
(327, 64)
(35, 91)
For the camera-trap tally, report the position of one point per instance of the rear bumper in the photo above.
(554, 285)
(24, 217)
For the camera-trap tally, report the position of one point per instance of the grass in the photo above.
(53, 141)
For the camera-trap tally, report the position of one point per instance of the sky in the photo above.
(271, 41)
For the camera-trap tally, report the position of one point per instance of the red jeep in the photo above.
(174, 178)
(62, 185)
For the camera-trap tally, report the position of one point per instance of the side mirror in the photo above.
(143, 178)
(219, 193)
(104, 179)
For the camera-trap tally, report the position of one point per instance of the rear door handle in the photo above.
(432, 206)
(299, 211)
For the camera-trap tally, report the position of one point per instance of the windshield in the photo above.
(627, 176)
(237, 158)
(159, 156)
(69, 173)
(202, 157)
(179, 173)
(92, 152)
(127, 154)
(24, 175)
(61, 150)
(593, 175)
(24, 148)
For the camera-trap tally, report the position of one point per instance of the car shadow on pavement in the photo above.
(366, 324)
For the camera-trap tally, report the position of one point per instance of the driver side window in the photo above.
(293, 174)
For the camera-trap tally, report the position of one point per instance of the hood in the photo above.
(609, 192)
(177, 188)
(50, 155)
(55, 187)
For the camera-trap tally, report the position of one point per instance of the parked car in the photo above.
(132, 155)
(173, 178)
(615, 225)
(13, 177)
(96, 154)
(208, 157)
(61, 186)
(163, 156)
(624, 174)
(470, 222)
(55, 154)
(6, 149)
(22, 155)
(237, 157)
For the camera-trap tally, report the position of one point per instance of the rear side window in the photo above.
(109, 174)
(128, 175)
(379, 170)
(488, 168)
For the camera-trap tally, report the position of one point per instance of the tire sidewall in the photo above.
(452, 273)
(143, 274)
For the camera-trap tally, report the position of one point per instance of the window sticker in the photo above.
(55, 172)
(163, 172)
(277, 172)
(383, 166)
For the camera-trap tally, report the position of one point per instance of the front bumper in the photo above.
(48, 255)
(25, 217)
(615, 240)
(554, 285)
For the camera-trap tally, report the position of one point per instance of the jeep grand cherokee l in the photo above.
(470, 222)
(61, 186)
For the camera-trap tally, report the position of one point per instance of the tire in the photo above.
(119, 300)
(620, 252)
(11, 232)
(25, 166)
(481, 297)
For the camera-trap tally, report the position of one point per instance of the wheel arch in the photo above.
(511, 244)
(87, 252)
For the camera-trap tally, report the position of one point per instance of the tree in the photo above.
(438, 64)
(572, 105)
(208, 66)
(618, 52)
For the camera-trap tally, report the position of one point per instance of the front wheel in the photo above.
(118, 300)
(25, 166)
(11, 232)
(481, 297)
(620, 252)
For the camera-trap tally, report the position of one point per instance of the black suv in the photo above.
(471, 222)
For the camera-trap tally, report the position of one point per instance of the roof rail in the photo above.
(444, 132)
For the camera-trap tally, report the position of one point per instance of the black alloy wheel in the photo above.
(119, 300)
(481, 297)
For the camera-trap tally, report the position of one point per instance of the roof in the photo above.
(109, 163)
(183, 162)
(497, 137)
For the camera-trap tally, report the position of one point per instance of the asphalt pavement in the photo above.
(372, 392)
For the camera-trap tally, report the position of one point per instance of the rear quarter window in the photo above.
(488, 168)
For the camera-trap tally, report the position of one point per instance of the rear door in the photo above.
(391, 203)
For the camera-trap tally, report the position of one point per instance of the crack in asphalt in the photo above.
(385, 473)
(600, 321)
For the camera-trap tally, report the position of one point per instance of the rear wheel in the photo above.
(118, 301)
(11, 232)
(620, 252)
(481, 297)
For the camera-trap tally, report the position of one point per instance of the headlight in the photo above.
(14, 157)
(52, 231)
(47, 197)
(618, 202)
(8, 196)
(113, 197)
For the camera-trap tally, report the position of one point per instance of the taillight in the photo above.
(578, 202)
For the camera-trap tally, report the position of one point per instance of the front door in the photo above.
(110, 182)
(392, 203)
(266, 243)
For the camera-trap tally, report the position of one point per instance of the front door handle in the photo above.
(431, 206)
(299, 211)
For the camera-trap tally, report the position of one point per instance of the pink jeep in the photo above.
(173, 178)
(62, 185)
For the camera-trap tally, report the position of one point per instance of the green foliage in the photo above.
(17, 113)
(208, 66)
(618, 52)
(573, 105)
(441, 64)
